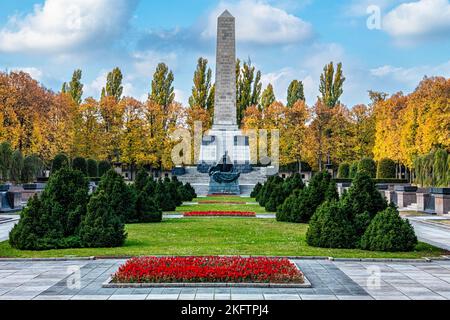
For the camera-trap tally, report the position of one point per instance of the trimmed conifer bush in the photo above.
(121, 197)
(92, 168)
(389, 232)
(330, 227)
(368, 166)
(363, 201)
(301, 205)
(103, 167)
(386, 169)
(80, 164)
(256, 190)
(163, 197)
(344, 171)
(52, 221)
(59, 162)
(190, 191)
(102, 226)
(147, 209)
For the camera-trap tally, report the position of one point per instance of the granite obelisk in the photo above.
(225, 98)
(225, 138)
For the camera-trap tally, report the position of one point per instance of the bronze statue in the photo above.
(224, 172)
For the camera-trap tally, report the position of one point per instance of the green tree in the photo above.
(440, 168)
(75, 87)
(114, 86)
(5, 160)
(15, 172)
(386, 169)
(331, 84)
(344, 171)
(295, 93)
(268, 97)
(201, 91)
(368, 166)
(162, 86)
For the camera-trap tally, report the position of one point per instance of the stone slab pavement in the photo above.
(331, 280)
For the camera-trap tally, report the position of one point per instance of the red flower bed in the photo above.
(219, 214)
(208, 269)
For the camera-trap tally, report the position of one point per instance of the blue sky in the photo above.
(285, 39)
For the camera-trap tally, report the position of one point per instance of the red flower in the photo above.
(208, 269)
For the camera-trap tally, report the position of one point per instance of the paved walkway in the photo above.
(339, 280)
(433, 234)
(6, 226)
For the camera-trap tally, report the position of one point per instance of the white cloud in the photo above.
(410, 76)
(259, 22)
(145, 62)
(417, 20)
(61, 25)
(35, 73)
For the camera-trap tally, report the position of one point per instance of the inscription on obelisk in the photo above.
(225, 97)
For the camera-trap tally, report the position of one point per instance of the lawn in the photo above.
(218, 236)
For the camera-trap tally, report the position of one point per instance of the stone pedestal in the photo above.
(422, 199)
(442, 203)
(390, 196)
(231, 188)
(405, 199)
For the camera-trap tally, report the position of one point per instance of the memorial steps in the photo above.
(200, 181)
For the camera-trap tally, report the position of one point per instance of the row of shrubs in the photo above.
(66, 216)
(385, 169)
(275, 191)
(89, 167)
(360, 219)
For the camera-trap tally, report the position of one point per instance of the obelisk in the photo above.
(225, 97)
(225, 138)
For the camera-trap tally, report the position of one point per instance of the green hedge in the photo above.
(344, 171)
(386, 169)
(377, 181)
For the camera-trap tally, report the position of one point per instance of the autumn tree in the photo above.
(295, 93)
(363, 131)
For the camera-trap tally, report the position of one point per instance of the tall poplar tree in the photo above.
(162, 86)
(248, 88)
(295, 93)
(268, 97)
(114, 86)
(201, 91)
(331, 84)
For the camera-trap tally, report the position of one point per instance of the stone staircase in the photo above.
(200, 181)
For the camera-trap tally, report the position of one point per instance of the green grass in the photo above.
(222, 207)
(217, 236)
